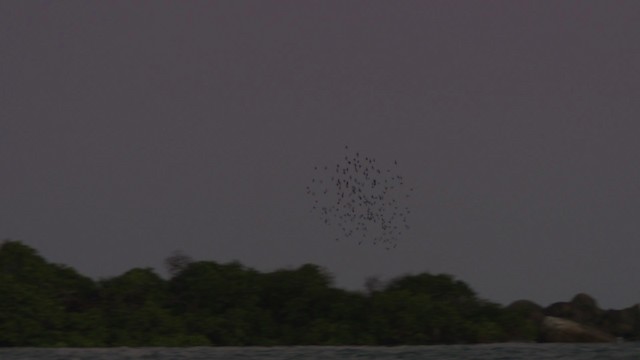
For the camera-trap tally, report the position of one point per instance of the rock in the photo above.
(623, 323)
(554, 329)
(578, 320)
(582, 309)
(584, 301)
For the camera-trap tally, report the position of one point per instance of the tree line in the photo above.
(205, 303)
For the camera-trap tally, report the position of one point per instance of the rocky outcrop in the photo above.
(623, 323)
(582, 309)
(554, 329)
(578, 320)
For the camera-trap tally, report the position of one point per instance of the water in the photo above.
(448, 352)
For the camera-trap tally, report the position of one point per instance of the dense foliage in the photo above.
(207, 303)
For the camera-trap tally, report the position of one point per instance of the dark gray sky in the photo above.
(131, 129)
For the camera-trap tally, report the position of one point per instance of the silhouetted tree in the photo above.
(207, 303)
(177, 262)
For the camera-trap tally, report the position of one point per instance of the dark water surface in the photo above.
(445, 352)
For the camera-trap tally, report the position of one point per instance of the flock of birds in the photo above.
(361, 200)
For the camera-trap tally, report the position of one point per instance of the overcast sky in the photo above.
(129, 130)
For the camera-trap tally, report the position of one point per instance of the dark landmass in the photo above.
(206, 303)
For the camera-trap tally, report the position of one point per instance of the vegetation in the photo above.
(207, 303)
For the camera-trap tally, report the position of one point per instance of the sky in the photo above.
(130, 130)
